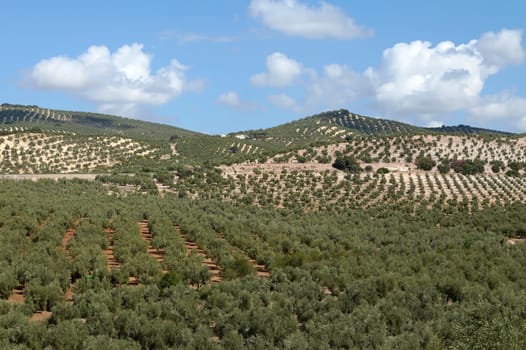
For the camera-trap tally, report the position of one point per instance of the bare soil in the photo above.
(209, 262)
(41, 316)
(146, 235)
(111, 261)
(17, 296)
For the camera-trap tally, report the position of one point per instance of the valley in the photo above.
(333, 231)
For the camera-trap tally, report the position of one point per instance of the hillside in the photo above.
(187, 147)
(334, 231)
(335, 126)
(17, 118)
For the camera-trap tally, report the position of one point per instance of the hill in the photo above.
(16, 118)
(329, 232)
(81, 130)
(335, 126)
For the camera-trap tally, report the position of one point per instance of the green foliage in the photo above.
(467, 166)
(425, 162)
(347, 164)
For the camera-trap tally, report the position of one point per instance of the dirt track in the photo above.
(36, 177)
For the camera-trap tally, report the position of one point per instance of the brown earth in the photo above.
(17, 296)
(261, 270)
(209, 262)
(41, 316)
(112, 263)
(146, 235)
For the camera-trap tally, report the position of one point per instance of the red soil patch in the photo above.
(68, 236)
(209, 262)
(69, 294)
(112, 263)
(261, 270)
(17, 296)
(146, 235)
(41, 316)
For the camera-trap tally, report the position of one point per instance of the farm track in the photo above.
(209, 262)
(146, 235)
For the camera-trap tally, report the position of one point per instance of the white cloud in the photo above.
(281, 71)
(230, 99)
(283, 100)
(418, 78)
(118, 81)
(504, 108)
(501, 48)
(295, 18)
(415, 81)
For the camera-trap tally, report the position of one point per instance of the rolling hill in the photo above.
(79, 133)
(333, 231)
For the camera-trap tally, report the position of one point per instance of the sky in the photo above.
(223, 66)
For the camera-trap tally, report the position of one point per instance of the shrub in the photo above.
(348, 164)
(425, 162)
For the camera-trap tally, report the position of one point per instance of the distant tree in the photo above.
(467, 166)
(425, 162)
(497, 166)
(349, 164)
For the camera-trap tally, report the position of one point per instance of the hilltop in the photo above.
(337, 125)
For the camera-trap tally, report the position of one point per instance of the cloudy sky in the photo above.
(221, 66)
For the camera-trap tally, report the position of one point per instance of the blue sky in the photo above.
(229, 65)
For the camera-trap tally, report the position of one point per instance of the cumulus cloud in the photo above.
(505, 108)
(418, 78)
(281, 71)
(501, 48)
(414, 80)
(295, 18)
(121, 81)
